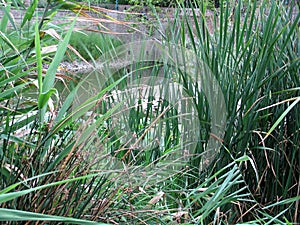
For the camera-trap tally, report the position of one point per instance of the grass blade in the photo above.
(279, 120)
(18, 215)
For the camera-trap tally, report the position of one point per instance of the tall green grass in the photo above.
(43, 177)
(254, 53)
(74, 163)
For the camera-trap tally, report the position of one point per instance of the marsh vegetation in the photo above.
(114, 147)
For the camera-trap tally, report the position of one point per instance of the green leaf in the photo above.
(29, 12)
(44, 97)
(15, 139)
(49, 78)
(9, 42)
(13, 186)
(282, 117)
(38, 57)
(13, 195)
(3, 24)
(18, 215)
(9, 91)
(7, 13)
(66, 105)
(61, 49)
(283, 202)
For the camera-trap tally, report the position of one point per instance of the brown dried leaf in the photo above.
(156, 198)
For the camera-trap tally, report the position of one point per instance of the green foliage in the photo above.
(156, 2)
(67, 162)
(92, 45)
(37, 150)
(261, 85)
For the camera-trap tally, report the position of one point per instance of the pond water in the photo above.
(152, 113)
